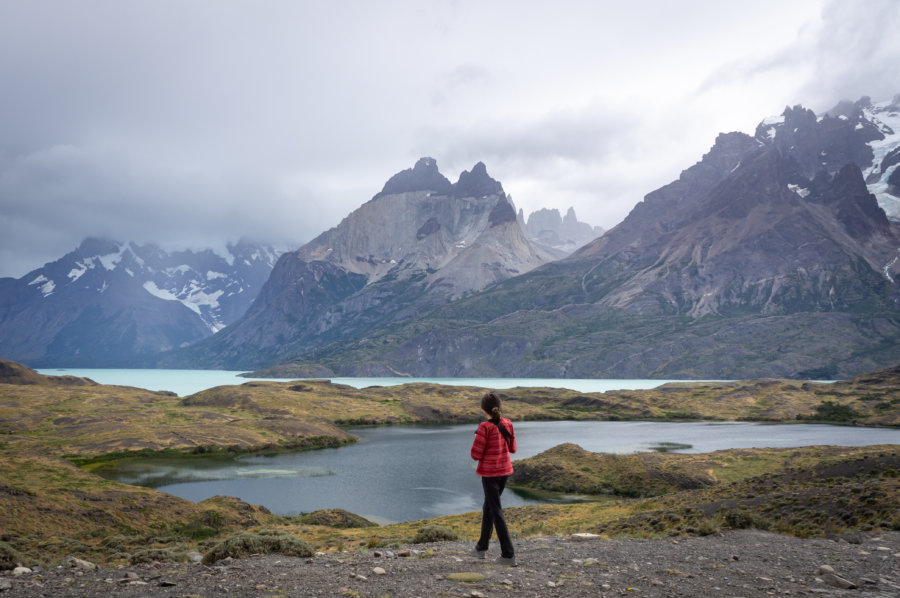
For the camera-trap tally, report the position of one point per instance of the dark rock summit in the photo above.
(476, 183)
(424, 176)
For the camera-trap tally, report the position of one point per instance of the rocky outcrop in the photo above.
(16, 373)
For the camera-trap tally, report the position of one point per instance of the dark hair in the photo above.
(490, 404)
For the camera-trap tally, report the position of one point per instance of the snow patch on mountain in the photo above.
(80, 268)
(154, 290)
(111, 260)
(885, 116)
(46, 287)
(801, 191)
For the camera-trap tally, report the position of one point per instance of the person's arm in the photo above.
(512, 441)
(479, 444)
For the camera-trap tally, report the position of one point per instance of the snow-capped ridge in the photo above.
(875, 124)
(107, 302)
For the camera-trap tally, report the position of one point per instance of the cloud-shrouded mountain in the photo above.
(420, 242)
(771, 256)
(110, 303)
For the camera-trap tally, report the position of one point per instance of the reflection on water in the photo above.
(408, 472)
(157, 472)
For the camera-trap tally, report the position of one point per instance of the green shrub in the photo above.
(708, 527)
(739, 519)
(265, 541)
(10, 558)
(434, 533)
(833, 412)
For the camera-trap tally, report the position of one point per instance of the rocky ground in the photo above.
(735, 563)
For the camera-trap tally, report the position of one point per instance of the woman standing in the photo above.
(494, 441)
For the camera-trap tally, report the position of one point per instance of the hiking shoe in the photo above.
(509, 561)
(478, 554)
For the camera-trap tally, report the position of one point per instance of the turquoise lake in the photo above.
(185, 382)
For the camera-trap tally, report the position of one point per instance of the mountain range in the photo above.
(769, 257)
(112, 304)
(776, 254)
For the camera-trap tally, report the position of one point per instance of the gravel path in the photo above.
(736, 563)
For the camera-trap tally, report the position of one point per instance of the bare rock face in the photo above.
(418, 243)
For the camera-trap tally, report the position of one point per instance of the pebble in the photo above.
(5, 584)
(20, 571)
(378, 571)
(584, 536)
(838, 582)
(477, 594)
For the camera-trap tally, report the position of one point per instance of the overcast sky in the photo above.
(194, 123)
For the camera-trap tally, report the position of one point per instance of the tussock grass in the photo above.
(264, 541)
(10, 558)
(434, 533)
(335, 518)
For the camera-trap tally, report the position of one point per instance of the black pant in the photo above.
(492, 517)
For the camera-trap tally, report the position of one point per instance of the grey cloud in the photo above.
(857, 52)
(852, 51)
(66, 193)
(194, 122)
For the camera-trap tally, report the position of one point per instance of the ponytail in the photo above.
(490, 404)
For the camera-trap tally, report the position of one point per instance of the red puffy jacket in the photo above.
(492, 451)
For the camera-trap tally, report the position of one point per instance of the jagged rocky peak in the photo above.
(477, 183)
(424, 176)
(562, 233)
